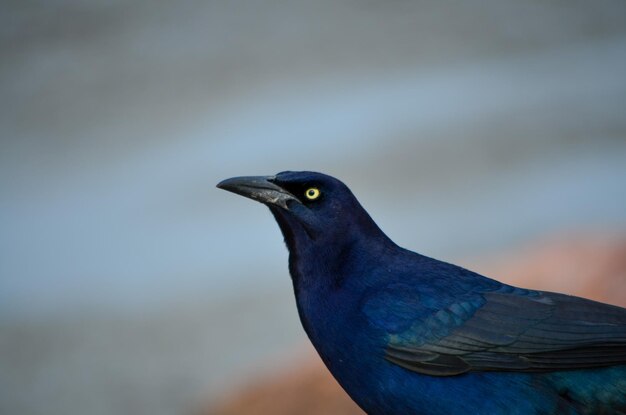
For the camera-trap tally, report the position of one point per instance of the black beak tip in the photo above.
(229, 184)
(220, 185)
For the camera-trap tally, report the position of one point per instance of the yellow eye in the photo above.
(312, 193)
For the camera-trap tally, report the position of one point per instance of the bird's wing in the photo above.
(521, 331)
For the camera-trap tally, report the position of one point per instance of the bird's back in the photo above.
(431, 331)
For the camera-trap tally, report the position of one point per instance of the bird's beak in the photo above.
(259, 188)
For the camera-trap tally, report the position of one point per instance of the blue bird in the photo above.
(407, 334)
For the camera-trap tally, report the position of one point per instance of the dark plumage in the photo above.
(407, 334)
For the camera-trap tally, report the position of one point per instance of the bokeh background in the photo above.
(129, 284)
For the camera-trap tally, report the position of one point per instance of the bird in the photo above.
(404, 333)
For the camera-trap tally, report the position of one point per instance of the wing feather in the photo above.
(529, 332)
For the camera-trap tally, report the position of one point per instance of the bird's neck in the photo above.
(325, 265)
(319, 259)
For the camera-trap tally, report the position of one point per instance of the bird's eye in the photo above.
(312, 193)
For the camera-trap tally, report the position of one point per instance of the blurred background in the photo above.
(130, 284)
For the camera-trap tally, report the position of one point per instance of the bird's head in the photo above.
(312, 209)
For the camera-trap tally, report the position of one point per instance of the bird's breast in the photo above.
(338, 329)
